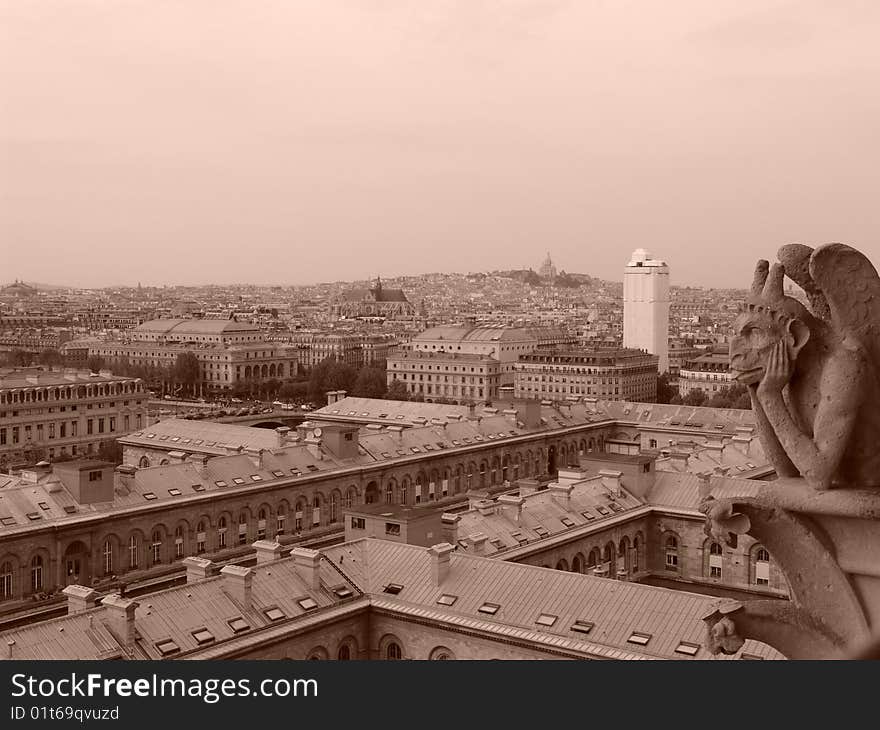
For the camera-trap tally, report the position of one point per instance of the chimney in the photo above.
(477, 542)
(611, 480)
(472, 411)
(511, 414)
(450, 527)
(440, 558)
(256, 456)
(80, 598)
(476, 497)
(177, 457)
(282, 432)
(197, 569)
(200, 462)
(267, 551)
(742, 443)
(562, 494)
(308, 564)
(10, 647)
(512, 506)
(238, 582)
(679, 460)
(120, 613)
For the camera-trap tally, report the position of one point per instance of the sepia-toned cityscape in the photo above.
(644, 448)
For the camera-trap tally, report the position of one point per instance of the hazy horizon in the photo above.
(292, 143)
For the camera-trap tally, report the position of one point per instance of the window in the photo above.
(762, 567)
(178, 542)
(671, 553)
(221, 533)
(133, 552)
(687, 648)
(393, 651)
(715, 560)
(156, 547)
(358, 523)
(546, 619)
(274, 614)
(447, 599)
(393, 588)
(392, 529)
(489, 608)
(344, 653)
(107, 554)
(36, 574)
(637, 637)
(203, 636)
(583, 627)
(167, 646)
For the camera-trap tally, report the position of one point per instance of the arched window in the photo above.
(178, 542)
(334, 507)
(715, 560)
(261, 524)
(389, 494)
(36, 574)
(107, 555)
(133, 552)
(156, 547)
(344, 653)
(762, 567)
(242, 528)
(144, 462)
(393, 651)
(441, 653)
(5, 580)
(200, 537)
(221, 533)
(671, 553)
(280, 520)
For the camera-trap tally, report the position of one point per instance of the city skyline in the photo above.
(348, 139)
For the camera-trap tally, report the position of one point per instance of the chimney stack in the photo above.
(177, 457)
(450, 527)
(197, 569)
(10, 647)
(611, 480)
(562, 494)
(80, 598)
(440, 559)
(200, 462)
(120, 612)
(267, 551)
(478, 543)
(512, 506)
(308, 564)
(256, 456)
(238, 582)
(282, 432)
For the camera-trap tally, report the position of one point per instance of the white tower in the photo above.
(646, 306)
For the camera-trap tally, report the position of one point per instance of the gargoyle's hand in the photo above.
(780, 368)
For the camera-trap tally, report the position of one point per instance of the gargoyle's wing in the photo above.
(795, 257)
(850, 284)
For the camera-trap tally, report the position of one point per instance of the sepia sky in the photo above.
(297, 141)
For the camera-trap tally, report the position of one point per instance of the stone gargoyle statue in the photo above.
(812, 374)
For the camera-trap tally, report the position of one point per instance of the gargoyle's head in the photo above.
(766, 318)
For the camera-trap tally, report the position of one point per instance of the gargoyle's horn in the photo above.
(760, 277)
(773, 291)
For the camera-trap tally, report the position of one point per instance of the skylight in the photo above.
(546, 619)
(277, 473)
(174, 492)
(237, 480)
(256, 478)
(167, 646)
(583, 627)
(274, 614)
(393, 588)
(238, 625)
(150, 496)
(640, 638)
(343, 592)
(203, 636)
(307, 603)
(489, 608)
(567, 522)
(447, 599)
(221, 483)
(687, 648)
(198, 488)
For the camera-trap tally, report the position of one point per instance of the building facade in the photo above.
(646, 306)
(50, 414)
(462, 378)
(608, 374)
(709, 372)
